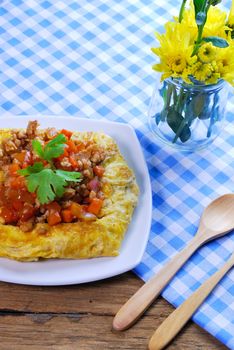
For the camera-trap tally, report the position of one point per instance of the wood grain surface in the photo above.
(80, 317)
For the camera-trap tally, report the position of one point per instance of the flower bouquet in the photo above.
(196, 60)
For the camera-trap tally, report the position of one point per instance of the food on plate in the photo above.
(63, 194)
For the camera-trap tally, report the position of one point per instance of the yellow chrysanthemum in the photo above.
(210, 63)
(207, 53)
(215, 24)
(231, 15)
(213, 78)
(202, 71)
(225, 63)
(175, 50)
(187, 73)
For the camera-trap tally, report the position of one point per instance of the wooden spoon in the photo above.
(175, 322)
(217, 219)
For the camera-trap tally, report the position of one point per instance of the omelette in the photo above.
(63, 194)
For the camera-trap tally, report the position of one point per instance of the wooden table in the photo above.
(80, 317)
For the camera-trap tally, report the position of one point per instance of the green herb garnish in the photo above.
(48, 183)
(53, 149)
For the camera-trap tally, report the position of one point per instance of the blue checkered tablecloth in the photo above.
(91, 58)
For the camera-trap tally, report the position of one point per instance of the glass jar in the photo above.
(187, 116)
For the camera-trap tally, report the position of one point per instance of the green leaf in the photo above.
(216, 41)
(59, 139)
(178, 125)
(37, 146)
(198, 104)
(214, 2)
(41, 183)
(68, 175)
(35, 168)
(185, 134)
(49, 184)
(53, 149)
(53, 152)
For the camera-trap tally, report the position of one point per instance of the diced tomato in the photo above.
(54, 218)
(65, 154)
(53, 207)
(17, 205)
(17, 182)
(76, 210)
(20, 156)
(95, 206)
(80, 146)
(8, 215)
(79, 212)
(13, 168)
(98, 170)
(2, 195)
(73, 162)
(27, 212)
(67, 215)
(84, 207)
(67, 133)
(25, 196)
(71, 146)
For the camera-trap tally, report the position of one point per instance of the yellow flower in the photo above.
(231, 15)
(207, 53)
(186, 74)
(225, 63)
(210, 63)
(213, 78)
(215, 24)
(202, 71)
(175, 50)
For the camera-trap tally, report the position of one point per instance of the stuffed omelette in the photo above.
(63, 194)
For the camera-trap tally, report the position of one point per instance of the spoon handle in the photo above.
(141, 300)
(175, 322)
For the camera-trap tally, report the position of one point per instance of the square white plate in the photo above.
(62, 272)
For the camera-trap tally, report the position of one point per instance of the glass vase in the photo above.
(185, 116)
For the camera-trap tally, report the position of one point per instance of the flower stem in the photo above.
(200, 31)
(182, 10)
(198, 41)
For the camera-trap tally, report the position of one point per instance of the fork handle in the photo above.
(175, 322)
(141, 300)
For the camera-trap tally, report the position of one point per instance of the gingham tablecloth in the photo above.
(92, 58)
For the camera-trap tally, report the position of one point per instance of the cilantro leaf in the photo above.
(37, 146)
(53, 149)
(49, 184)
(46, 182)
(68, 175)
(35, 168)
(41, 183)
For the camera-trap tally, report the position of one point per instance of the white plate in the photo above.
(62, 272)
